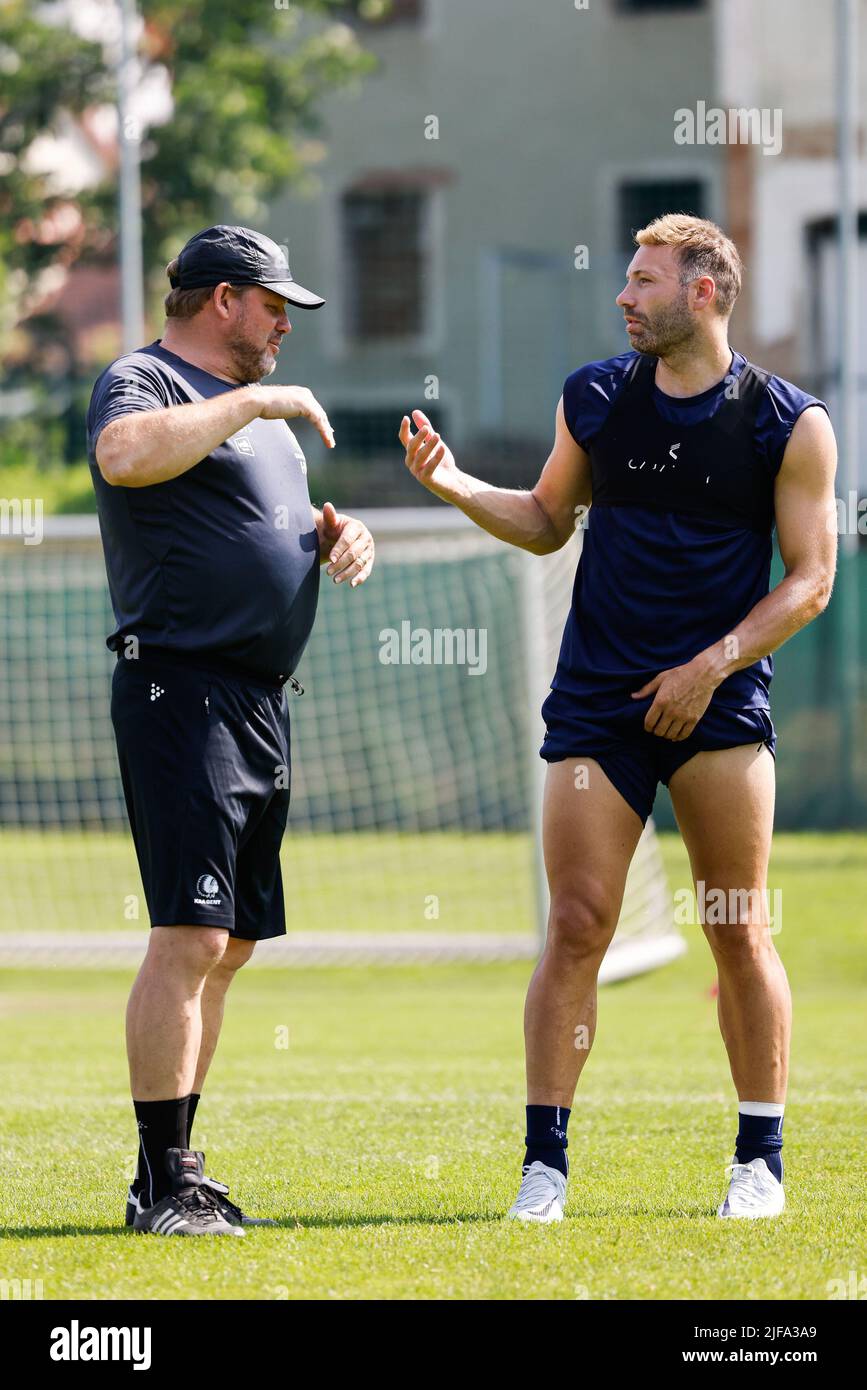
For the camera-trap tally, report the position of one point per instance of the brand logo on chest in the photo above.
(659, 466)
(242, 443)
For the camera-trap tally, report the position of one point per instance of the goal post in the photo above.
(416, 782)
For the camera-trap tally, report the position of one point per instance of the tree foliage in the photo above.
(247, 79)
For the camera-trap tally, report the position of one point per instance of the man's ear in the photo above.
(705, 289)
(221, 298)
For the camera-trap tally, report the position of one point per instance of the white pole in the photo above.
(848, 310)
(131, 265)
(491, 341)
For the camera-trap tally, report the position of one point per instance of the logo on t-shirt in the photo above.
(242, 443)
(672, 454)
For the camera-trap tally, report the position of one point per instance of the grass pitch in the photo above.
(73, 881)
(386, 1137)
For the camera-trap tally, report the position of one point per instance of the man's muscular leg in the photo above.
(164, 1037)
(174, 1017)
(236, 954)
(724, 802)
(590, 834)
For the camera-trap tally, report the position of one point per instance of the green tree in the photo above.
(247, 79)
(45, 70)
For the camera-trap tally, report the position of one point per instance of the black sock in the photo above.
(761, 1136)
(141, 1169)
(162, 1124)
(546, 1136)
(191, 1115)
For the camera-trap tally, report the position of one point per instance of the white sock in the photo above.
(760, 1107)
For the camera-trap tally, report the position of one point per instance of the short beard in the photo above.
(249, 362)
(668, 330)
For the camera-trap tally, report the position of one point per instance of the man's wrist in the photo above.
(714, 665)
(454, 489)
(254, 398)
(318, 522)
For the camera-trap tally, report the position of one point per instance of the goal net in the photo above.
(416, 780)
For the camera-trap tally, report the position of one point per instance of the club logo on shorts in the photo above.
(207, 887)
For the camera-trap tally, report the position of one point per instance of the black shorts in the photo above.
(633, 760)
(204, 759)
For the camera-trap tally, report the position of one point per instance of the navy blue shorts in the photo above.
(633, 760)
(204, 759)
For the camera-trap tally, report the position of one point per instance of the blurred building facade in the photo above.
(460, 185)
(783, 209)
(479, 193)
(478, 199)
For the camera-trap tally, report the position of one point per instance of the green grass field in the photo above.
(386, 1138)
(77, 882)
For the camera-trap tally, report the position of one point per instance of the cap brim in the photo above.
(294, 293)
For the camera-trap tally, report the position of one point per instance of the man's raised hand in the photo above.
(288, 402)
(428, 457)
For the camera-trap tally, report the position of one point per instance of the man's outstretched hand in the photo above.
(428, 457)
(347, 544)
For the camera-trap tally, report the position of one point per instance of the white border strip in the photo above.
(390, 521)
(125, 950)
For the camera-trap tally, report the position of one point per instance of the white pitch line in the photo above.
(107, 950)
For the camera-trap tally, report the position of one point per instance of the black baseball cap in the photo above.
(242, 257)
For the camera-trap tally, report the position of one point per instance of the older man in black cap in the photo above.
(213, 552)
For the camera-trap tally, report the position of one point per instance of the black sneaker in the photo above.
(190, 1209)
(233, 1213)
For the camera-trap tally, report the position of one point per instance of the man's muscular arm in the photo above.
(807, 534)
(152, 446)
(539, 521)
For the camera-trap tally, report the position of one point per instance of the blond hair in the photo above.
(701, 248)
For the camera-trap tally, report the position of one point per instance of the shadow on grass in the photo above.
(285, 1223)
(311, 1221)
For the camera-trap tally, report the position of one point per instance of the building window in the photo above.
(371, 431)
(640, 201)
(384, 255)
(648, 6)
(384, 12)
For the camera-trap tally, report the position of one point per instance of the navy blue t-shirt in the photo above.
(629, 620)
(222, 560)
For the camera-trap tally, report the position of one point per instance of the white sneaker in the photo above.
(753, 1191)
(542, 1195)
